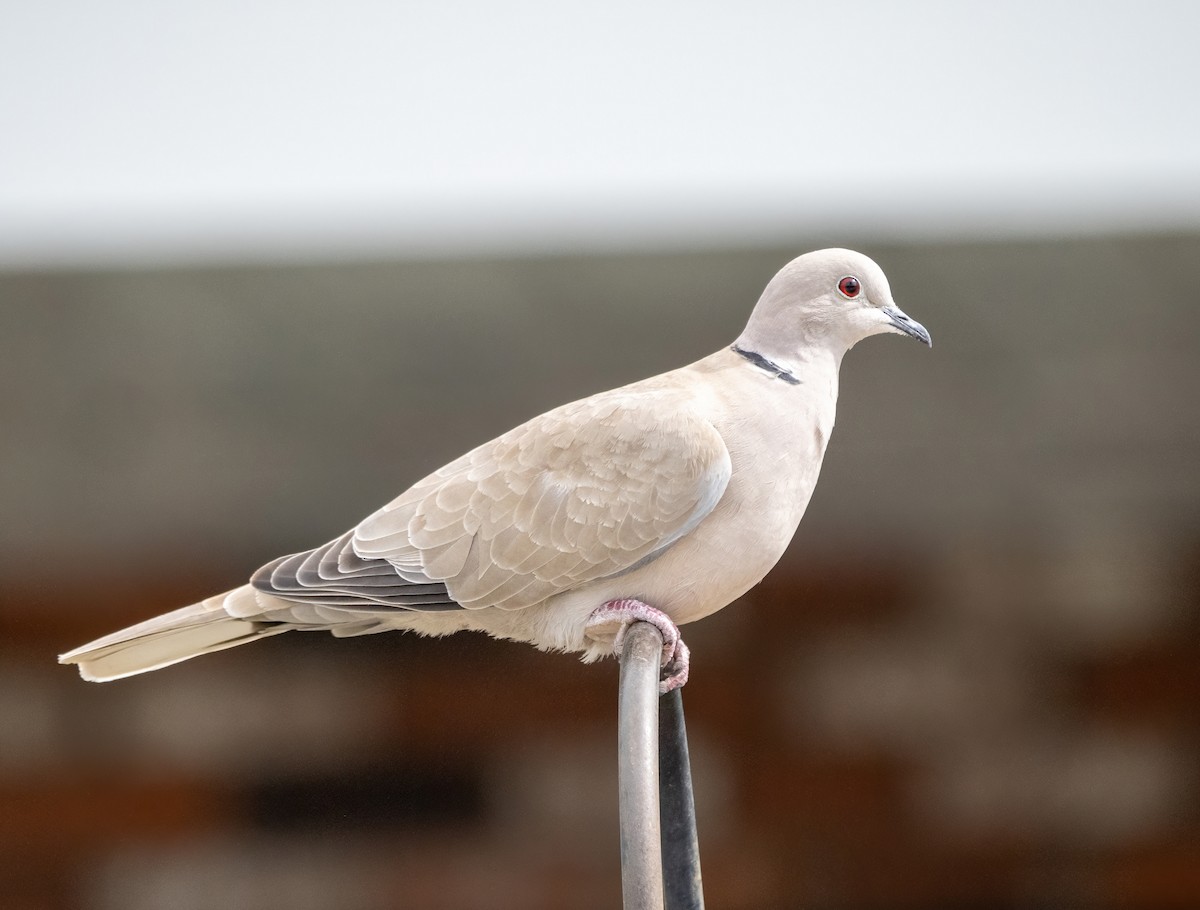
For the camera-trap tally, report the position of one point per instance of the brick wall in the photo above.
(971, 683)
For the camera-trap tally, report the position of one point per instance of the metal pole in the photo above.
(637, 753)
(680, 845)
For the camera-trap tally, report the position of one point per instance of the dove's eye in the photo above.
(849, 287)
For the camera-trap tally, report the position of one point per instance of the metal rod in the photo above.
(680, 844)
(637, 752)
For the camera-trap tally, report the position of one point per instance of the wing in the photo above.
(584, 492)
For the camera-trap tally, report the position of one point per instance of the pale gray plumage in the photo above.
(680, 491)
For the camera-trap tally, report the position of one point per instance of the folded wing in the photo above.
(587, 491)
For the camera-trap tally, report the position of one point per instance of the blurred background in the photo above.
(263, 265)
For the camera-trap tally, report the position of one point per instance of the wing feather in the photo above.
(581, 493)
(584, 492)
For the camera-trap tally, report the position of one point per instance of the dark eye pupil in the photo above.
(849, 287)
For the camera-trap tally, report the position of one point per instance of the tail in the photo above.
(188, 632)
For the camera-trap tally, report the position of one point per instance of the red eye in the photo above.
(849, 286)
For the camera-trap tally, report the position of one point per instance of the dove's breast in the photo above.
(776, 435)
(776, 440)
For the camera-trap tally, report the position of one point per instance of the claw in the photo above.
(675, 673)
(621, 614)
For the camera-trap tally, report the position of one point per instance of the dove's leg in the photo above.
(616, 616)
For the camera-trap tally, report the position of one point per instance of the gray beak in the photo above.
(908, 326)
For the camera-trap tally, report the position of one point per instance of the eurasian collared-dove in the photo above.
(661, 501)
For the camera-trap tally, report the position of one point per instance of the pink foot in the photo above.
(616, 616)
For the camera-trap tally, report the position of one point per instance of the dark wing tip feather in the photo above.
(333, 575)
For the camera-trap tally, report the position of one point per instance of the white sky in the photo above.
(133, 130)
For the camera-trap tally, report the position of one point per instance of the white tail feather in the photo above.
(168, 639)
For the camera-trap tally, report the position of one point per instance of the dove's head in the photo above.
(828, 300)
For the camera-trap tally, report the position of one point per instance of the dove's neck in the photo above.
(766, 365)
(789, 363)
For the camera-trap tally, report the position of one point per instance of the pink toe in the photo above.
(616, 616)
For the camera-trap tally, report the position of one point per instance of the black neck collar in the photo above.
(768, 366)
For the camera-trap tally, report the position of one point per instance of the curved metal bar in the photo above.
(680, 844)
(637, 751)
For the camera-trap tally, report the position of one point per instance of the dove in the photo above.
(661, 502)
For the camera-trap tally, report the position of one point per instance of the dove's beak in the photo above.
(908, 326)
